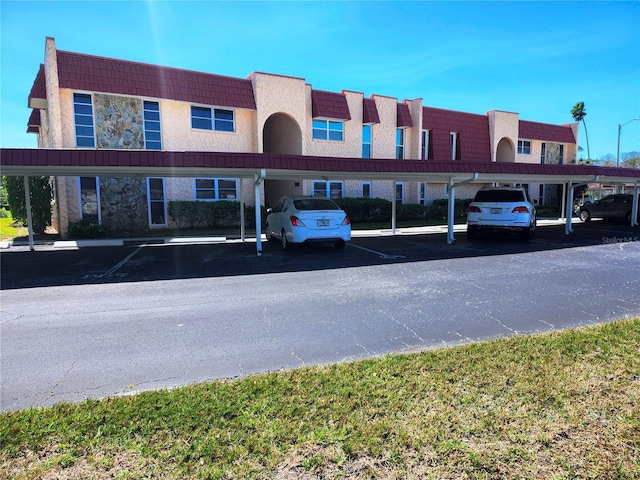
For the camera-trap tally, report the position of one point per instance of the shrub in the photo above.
(218, 214)
(438, 209)
(83, 229)
(41, 196)
(362, 210)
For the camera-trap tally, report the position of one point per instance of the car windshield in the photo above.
(499, 196)
(315, 204)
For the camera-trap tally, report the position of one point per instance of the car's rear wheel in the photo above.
(283, 240)
(585, 216)
(526, 233)
(472, 232)
(339, 245)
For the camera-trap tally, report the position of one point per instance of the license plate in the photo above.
(496, 211)
(324, 222)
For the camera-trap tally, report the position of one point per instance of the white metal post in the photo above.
(393, 208)
(242, 229)
(258, 180)
(27, 198)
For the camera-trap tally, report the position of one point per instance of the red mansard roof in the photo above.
(370, 111)
(39, 88)
(34, 121)
(473, 131)
(99, 74)
(329, 105)
(403, 116)
(545, 131)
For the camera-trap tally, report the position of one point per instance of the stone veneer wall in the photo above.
(124, 204)
(119, 123)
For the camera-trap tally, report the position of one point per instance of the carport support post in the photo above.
(569, 209)
(258, 180)
(452, 205)
(393, 208)
(634, 205)
(242, 229)
(27, 201)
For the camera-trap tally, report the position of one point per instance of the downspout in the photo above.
(568, 227)
(242, 229)
(259, 178)
(27, 201)
(452, 204)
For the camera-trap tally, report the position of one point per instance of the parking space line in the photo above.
(121, 263)
(380, 254)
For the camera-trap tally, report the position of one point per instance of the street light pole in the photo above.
(620, 128)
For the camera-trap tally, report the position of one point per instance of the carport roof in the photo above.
(276, 166)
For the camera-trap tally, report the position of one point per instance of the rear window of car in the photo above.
(315, 204)
(499, 196)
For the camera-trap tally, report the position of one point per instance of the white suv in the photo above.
(507, 208)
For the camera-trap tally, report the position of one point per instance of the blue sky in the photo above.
(534, 58)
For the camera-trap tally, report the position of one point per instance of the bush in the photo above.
(218, 214)
(41, 196)
(369, 210)
(83, 229)
(438, 209)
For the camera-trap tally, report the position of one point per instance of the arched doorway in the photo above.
(505, 151)
(281, 134)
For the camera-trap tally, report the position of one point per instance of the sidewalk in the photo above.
(186, 240)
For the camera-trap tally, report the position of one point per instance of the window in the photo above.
(422, 200)
(89, 199)
(330, 189)
(328, 130)
(400, 143)
(561, 155)
(218, 119)
(524, 147)
(83, 117)
(157, 207)
(424, 153)
(455, 146)
(399, 192)
(152, 134)
(366, 190)
(542, 153)
(216, 188)
(366, 141)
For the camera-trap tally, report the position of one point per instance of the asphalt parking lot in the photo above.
(162, 259)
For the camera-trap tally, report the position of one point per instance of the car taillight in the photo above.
(296, 222)
(346, 221)
(473, 209)
(520, 210)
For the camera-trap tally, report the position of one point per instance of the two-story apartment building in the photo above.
(81, 101)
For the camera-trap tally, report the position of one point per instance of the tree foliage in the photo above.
(40, 195)
(578, 113)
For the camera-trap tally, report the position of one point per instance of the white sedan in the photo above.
(299, 219)
(505, 208)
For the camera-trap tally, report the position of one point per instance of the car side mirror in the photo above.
(269, 210)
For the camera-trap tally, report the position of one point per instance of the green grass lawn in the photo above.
(9, 231)
(561, 405)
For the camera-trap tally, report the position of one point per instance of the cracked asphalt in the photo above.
(103, 321)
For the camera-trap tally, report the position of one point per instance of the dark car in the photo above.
(612, 207)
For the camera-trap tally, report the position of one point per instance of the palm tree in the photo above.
(578, 113)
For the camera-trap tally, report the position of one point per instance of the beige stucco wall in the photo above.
(278, 94)
(383, 134)
(502, 125)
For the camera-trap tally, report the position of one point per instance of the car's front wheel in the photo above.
(585, 216)
(270, 238)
